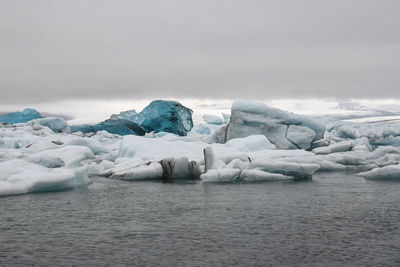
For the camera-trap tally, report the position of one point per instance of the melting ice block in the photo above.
(167, 116)
(255, 175)
(18, 177)
(296, 170)
(162, 116)
(387, 172)
(283, 129)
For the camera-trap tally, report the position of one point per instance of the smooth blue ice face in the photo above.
(26, 115)
(114, 126)
(162, 116)
(167, 116)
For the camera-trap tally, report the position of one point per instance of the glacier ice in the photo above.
(158, 116)
(162, 116)
(386, 172)
(167, 116)
(269, 145)
(20, 117)
(18, 177)
(248, 118)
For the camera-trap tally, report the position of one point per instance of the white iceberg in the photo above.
(18, 177)
(387, 172)
(249, 118)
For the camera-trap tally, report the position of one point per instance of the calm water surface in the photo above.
(333, 220)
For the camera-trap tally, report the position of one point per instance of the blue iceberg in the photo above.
(26, 115)
(159, 116)
(162, 116)
(113, 125)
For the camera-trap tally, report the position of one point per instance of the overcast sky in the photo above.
(53, 50)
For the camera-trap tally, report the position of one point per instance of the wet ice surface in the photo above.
(334, 219)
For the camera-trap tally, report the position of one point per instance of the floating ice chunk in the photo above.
(296, 170)
(224, 175)
(18, 177)
(249, 118)
(255, 175)
(26, 115)
(167, 116)
(300, 136)
(279, 115)
(212, 119)
(162, 116)
(333, 148)
(57, 125)
(387, 172)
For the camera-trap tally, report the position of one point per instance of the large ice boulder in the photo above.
(113, 125)
(162, 116)
(26, 115)
(18, 177)
(285, 130)
(167, 116)
(57, 125)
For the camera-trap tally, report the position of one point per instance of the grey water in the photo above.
(335, 219)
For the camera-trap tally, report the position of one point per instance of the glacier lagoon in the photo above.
(264, 187)
(335, 219)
